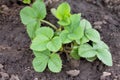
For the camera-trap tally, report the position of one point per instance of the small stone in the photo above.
(97, 27)
(50, 1)
(4, 75)
(35, 78)
(1, 66)
(5, 8)
(14, 77)
(73, 72)
(104, 22)
(105, 74)
(98, 23)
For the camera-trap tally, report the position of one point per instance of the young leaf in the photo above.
(76, 34)
(28, 15)
(88, 54)
(92, 35)
(64, 22)
(64, 37)
(46, 31)
(83, 40)
(39, 53)
(85, 24)
(55, 63)
(27, 1)
(40, 9)
(75, 31)
(55, 44)
(100, 45)
(31, 29)
(43, 36)
(75, 22)
(63, 10)
(74, 53)
(39, 43)
(91, 59)
(86, 50)
(62, 13)
(105, 56)
(54, 11)
(40, 61)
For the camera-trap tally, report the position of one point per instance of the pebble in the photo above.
(73, 72)
(14, 77)
(36, 79)
(1, 66)
(4, 76)
(105, 74)
(98, 23)
(50, 1)
(5, 8)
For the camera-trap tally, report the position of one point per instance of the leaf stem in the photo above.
(53, 26)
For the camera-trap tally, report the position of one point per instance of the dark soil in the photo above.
(16, 57)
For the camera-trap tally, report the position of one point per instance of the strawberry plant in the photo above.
(74, 36)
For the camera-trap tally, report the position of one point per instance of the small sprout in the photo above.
(27, 1)
(75, 37)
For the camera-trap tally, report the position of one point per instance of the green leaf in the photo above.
(64, 37)
(55, 44)
(64, 22)
(41, 60)
(43, 36)
(88, 54)
(62, 13)
(76, 34)
(86, 50)
(105, 56)
(31, 29)
(39, 43)
(46, 31)
(54, 11)
(100, 45)
(83, 40)
(55, 63)
(39, 53)
(75, 21)
(91, 59)
(75, 31)
(93, 35)
(27, 1)
(74, 53)
(63, 10)
(85, 24)
(40, 9)
(28, 15)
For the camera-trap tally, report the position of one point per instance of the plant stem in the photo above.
(53, 26)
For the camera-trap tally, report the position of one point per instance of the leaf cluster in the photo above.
(46, 43)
